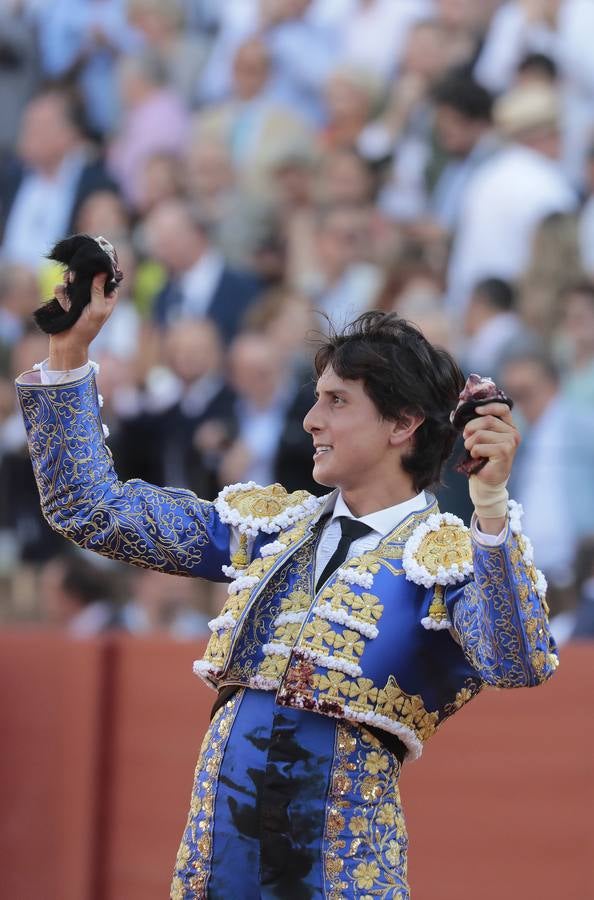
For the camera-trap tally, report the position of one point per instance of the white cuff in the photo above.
(54, 376)
(489, 540)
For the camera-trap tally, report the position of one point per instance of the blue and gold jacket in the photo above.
(398, 639)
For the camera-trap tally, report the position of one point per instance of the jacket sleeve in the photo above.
(501, 617)
(167, 529)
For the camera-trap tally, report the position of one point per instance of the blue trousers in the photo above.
(292, 805)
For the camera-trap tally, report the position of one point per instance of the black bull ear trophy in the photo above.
(477, 392)
(84, 257)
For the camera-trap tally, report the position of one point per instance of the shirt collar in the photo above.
(383, 521)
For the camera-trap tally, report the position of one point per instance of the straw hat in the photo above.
(527, 108)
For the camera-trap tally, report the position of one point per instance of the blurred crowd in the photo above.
(268, 169)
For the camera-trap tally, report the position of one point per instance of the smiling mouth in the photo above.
(319, 451)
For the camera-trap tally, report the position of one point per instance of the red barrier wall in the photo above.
(50, 695)
(100, 739)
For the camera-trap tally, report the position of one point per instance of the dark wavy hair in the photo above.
(403, 374)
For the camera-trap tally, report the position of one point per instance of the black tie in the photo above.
(351, 530)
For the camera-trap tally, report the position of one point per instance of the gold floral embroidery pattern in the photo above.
(192, 866)
(365, 841)
(358, 700)
(264, 502)
(504, 631)
(463, 696)
(408, 709)
(81, 497)
(364, 607)
(247, 661)
(253, 633)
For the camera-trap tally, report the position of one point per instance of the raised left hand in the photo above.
(493, 435)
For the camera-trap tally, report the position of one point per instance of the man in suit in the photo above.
(53, 173)
(200, 283)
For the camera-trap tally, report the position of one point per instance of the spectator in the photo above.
(252, 124)
(537, 68)
(265, 393)
(19, 73)
(103, 212)
(576, 309)
(77, 596)
(55, 170)
(402, 134)
(168, 604)
(518, 28)
(19, 296)
(340, 281)
(493, 327)
(374, 34)
(463, 23)
(554, 478)
(510, 195)
(344, 178)
(160, 180)
(554, 265)
(155, 120)
(464, 129)
(176, 399)
(352, 97)
(200, 283)
(182, 52)
(583, 619)
(82, 41)
(209, 177)
(586, 219)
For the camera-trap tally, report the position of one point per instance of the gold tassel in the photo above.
(240, 559)
(438, 610)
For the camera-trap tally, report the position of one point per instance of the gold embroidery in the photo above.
(500, 620)
(365, 838)
(464, 695)
(438, 611)
(268, 604)
(192, 866)
(81, 497)
(265, 502)
(444, 548)
(240, 558)
(408, 709)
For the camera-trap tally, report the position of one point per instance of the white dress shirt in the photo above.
(381, 523)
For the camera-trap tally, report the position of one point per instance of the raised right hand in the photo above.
(70, 349)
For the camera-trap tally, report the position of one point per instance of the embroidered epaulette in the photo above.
(438, 553)
(252, 508)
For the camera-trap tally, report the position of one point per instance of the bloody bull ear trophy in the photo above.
(84, 257)
(477, 392)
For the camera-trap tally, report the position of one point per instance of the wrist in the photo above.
(64, 357)
(490, 503)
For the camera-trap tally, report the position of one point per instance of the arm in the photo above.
(500, 618)
(81, 496)
(166, 529)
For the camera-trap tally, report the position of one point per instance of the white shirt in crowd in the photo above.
(506, 200)
(512, 36)
(374, 35)
(41, 211)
